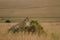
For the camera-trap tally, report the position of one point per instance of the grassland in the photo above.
(19, 19)
(52, 30)
(34, 8)
(41, 8)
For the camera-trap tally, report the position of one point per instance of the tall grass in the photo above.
(54, 36)
(34, 28)
(23, 35)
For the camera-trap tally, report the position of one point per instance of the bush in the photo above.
(34, 27)
(7, 21)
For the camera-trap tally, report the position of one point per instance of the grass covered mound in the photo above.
(34, 27)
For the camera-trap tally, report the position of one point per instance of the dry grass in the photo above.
(17, 8)
(24, 36)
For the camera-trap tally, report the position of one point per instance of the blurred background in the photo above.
(43, 9)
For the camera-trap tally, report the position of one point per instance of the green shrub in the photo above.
(34, 27)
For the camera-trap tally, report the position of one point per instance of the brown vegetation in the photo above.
(51, 28)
